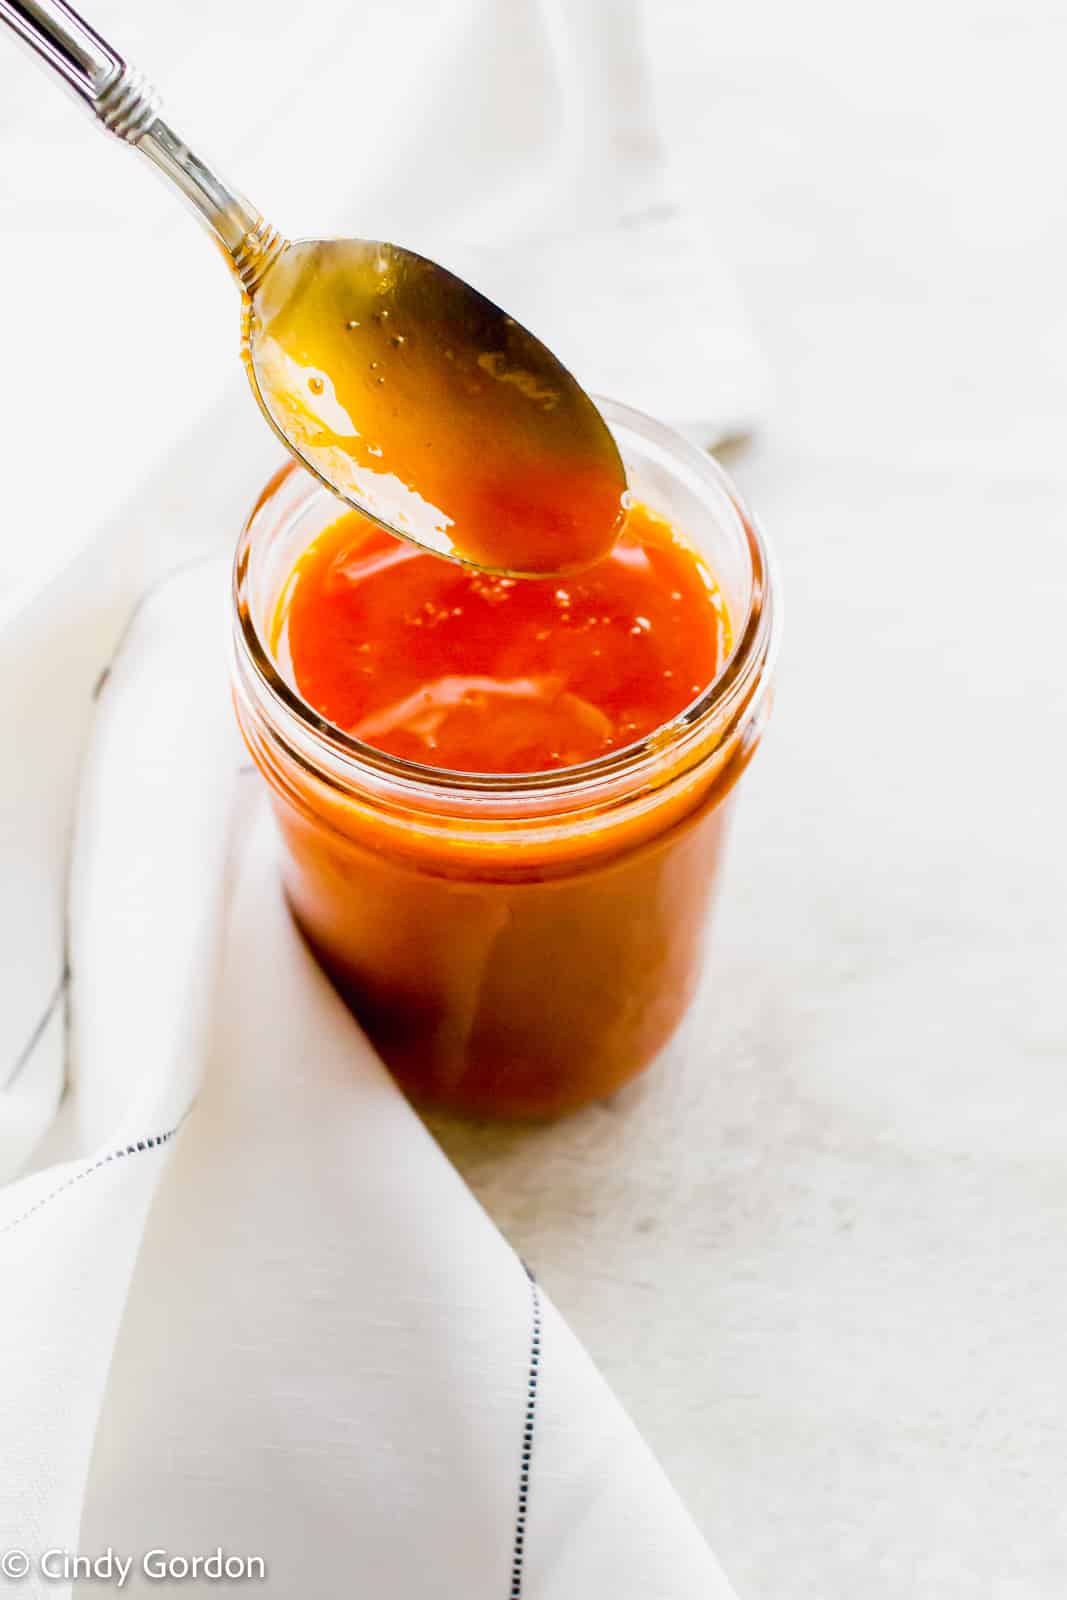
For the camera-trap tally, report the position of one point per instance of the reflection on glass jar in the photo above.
(514, 945)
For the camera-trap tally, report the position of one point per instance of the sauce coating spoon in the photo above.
(409, 394)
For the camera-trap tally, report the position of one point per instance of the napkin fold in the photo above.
(247, 1302)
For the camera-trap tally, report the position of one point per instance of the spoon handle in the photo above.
(125, 103)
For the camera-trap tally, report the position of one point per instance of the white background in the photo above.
(820, 1253)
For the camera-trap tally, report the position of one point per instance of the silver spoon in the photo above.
(409, 394)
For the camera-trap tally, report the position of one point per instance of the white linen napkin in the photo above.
(246, 1300)
(264, 1303)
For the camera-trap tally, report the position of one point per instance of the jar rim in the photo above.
(734, 689)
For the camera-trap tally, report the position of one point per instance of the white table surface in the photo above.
(819, 1250)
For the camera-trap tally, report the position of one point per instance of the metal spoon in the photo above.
(408, 393)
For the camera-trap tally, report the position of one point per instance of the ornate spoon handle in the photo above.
(125, 103)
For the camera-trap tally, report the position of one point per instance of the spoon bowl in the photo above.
(421, 403)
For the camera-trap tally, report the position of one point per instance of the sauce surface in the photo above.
(478, 673)
(417, 400)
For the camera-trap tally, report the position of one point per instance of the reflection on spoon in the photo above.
(418, 401)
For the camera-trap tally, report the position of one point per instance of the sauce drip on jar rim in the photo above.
(478, 673)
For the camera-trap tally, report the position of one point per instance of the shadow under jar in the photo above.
(514, 945)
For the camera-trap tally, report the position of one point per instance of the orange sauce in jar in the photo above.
(473, 672)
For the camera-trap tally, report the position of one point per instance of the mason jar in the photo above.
(513, 945)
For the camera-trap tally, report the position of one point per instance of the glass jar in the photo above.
(513, 945)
